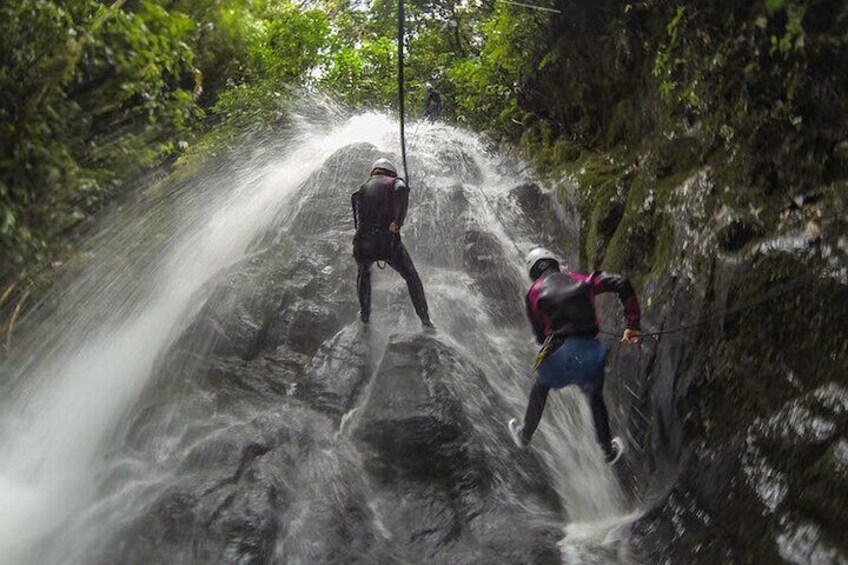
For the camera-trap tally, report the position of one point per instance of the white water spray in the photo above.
(74, 391)
(74, 397)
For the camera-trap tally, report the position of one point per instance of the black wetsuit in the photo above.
(380, 201)
(433, 107)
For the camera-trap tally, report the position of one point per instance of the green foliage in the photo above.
(363, 75)
(283, 44)
(488, 86)
(762, 76)
(90, 93)
(478, 95)
(667, 65)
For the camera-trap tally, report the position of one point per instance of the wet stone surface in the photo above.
(280, 429)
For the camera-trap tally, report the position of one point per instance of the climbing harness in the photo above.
(543, 353)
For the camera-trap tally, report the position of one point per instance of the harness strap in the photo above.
(543, 353)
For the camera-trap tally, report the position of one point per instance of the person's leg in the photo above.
(535, 407)
(600, 418)
(590, 376)
(363, 287)
(365, 253)
(401, 262)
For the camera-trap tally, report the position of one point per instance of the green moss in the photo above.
(680, 153)
(548, 153)
(661, 253)
(626, 125)
(602, 181)
(641, 242)
(563, 151)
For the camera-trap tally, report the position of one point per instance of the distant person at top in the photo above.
(433, 106)
(560, 305)
(379, 210)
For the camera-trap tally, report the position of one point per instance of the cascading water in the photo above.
(203, 392)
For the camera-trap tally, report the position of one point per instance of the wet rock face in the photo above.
(430, 413)
(737, 232)
(253, 492)
(334, 378)
(483, 259)
(324, 201)
(551, 225)
(280, 429)
(796, 463)
(428, 472)
(738, 424)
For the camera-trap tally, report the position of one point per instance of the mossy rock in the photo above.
(603, 182)
(563, 151)
(643, 237)
(627, 123)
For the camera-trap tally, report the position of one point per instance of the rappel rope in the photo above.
(400, 90)
(400, 98)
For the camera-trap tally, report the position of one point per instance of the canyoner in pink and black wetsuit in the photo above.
(560, 306)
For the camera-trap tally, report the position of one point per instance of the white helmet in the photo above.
(384, 164)
(534, 257)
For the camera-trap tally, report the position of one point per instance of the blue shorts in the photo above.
(578, 361)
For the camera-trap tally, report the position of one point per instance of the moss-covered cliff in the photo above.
(705, 147)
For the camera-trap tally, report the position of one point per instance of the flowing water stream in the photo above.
(202, 391)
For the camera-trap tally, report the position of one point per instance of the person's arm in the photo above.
(354, 205)
(400, 202)
(619, 284)
(538, 328)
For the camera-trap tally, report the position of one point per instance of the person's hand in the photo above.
(394, 228)
(630, 336)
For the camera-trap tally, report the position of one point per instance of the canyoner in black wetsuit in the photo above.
(560, 305)
(433, 105)
(379, 210)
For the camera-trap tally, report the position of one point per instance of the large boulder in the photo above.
(337, 373)
(277, 428)
(446, 473)
(279, 487)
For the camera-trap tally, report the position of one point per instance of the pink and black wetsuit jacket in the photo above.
(563, 305)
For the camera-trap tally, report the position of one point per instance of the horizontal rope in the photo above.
(768, 296)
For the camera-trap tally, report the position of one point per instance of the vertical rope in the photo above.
(400, 89)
